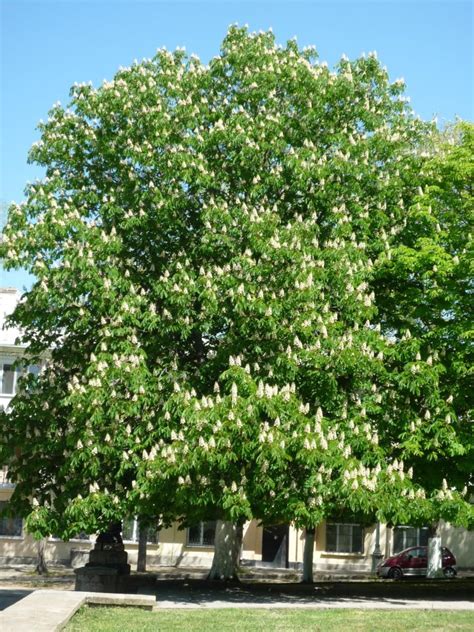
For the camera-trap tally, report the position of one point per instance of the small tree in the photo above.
(41, 565)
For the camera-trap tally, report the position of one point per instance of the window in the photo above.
(4, 480)
(404, 537)
(81, 536)
(130, 532)
(22, 373)
(418, 553)
(344, 538)
(9, 376)
(10, 526)
(34, 369)
(202, 534)
(8, 379)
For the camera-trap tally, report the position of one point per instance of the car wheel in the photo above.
(449, 572)
(395, 573)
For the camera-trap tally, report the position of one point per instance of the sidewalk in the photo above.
(193, 596)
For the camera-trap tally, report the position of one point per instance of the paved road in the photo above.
(9, 596)
(191, 595)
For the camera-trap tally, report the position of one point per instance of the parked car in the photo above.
(414, 562)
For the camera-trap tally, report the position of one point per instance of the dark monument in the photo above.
(107, 569)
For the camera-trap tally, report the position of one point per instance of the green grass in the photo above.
(104, 619)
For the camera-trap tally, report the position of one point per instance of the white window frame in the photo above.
(5, 482)
(200, 544)
(5, 536)
(135, 534)
(405, 528)
(54, 538)
(10, 361)
(345, 524)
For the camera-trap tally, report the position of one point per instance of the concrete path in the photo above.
(50, 610)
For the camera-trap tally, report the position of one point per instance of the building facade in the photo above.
(339, 546)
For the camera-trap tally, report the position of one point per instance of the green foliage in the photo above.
(228, 258)
(427, 289)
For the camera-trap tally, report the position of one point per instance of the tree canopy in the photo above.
(426, 289)
(236, 298)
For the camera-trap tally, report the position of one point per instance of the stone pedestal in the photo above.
(99, 579)
(78, 557)
(106, 571)
(110, 558)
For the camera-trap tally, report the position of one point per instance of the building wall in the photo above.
(9, 350)
(460, 542)
(173, 549)
(9, 297)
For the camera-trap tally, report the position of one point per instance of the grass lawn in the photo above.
(104, 619)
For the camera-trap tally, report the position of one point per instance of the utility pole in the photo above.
(377, 554)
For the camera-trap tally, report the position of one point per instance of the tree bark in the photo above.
(41, 566)
(308, 554)
(227, 546)
(435, 558)
(142, 542)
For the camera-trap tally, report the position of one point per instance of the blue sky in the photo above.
(48, 45)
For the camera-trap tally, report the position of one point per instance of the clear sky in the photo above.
(47, 45)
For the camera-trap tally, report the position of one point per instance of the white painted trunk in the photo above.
(435, 558)
(227, 547)
(308, 554)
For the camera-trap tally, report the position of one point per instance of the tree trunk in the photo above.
(41, 566)
(435, 557)
(142, 541)
(227, 545)
(308, 555)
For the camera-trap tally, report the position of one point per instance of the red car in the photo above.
(414, 562)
